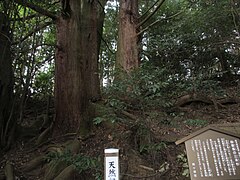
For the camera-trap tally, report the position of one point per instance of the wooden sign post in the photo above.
(213, 154)
(111, 167)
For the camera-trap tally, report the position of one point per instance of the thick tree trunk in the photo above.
(76, 66)
(127, 51)
(6, 77)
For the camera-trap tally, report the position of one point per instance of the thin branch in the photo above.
(33, 31)
(154, 23)
(100, 3)
(131, 116)
(47, 59)
(54, 3)
(106, 43)
(150, 15)
(2, 34)
(25, 18)
(149, 9)
(37, 9)
(36, 46)
(234, 19)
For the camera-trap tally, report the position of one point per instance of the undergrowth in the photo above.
(151, 87)
(81, 162)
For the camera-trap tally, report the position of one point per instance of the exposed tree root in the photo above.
(52, 139)
(67, 173)
(54, 168)
(129, 115)
(44, 135)
(9, 171)
(74, 146)
(54, 149)
(195, 97)
(230, 100)
(186, 99)
(59, 169)
(34, 164)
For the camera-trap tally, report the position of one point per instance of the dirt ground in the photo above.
(147, 145)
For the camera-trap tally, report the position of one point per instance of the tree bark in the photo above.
(76, 78)
(6, 76)
(127, 50)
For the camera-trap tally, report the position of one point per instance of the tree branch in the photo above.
(37, 9)
(105, 43)
(154, 23)
(234, 19)
(150, 15)
(24, 18)
(148, 10)
(33, 31)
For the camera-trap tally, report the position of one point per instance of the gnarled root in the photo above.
(34, 164)
(59, 169)
(67, 173)
(9, 171)
(54, 169)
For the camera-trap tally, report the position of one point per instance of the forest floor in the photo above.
(146, 141)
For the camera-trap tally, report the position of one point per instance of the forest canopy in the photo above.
(188, 38)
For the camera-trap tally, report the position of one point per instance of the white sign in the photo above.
(111, 164)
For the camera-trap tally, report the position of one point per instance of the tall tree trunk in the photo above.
(127, 50)
(76, 66)
(96, 92)
(6, 77)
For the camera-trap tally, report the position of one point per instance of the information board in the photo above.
(213, 155)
